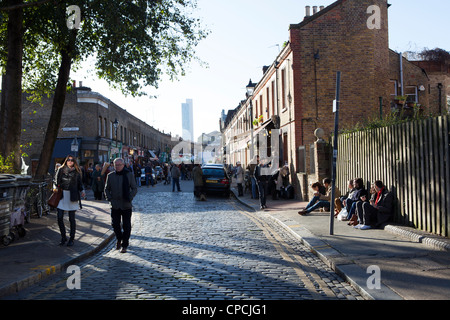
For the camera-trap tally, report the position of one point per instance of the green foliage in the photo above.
(133, 43)
(391, 119)
(7, 165)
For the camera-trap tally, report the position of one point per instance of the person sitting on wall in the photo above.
(377, 211)
(317, 201)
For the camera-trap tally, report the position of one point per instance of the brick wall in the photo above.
(337, 38)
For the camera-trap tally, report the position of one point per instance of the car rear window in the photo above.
(220, 173)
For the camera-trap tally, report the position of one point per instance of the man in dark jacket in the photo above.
(378, 211)
(120, 190)
(197, 173)
(262, 180)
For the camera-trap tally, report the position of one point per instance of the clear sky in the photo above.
(245, 35)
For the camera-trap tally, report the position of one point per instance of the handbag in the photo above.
(54, 199)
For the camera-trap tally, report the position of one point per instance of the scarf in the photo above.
(379, 195)
(125, 184)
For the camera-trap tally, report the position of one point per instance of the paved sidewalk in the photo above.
(412, 264)
(30, 259)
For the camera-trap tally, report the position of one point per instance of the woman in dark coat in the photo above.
(68, 178)
(98, 182)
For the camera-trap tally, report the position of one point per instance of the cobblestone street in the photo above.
(181, 249)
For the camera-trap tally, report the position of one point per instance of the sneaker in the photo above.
(358, 226)
(124, 250)
(365, 227)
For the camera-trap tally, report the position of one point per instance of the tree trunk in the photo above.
(12, 112)
(57, 109)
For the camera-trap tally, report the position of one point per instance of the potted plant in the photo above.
(400, 100)
(255, 122)
(260, 118)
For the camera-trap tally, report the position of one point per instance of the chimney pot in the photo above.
(322, 7)
(314, 9)
(308, 11)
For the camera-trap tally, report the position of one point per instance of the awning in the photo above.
(262, 127)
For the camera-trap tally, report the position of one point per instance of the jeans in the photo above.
(149, 177)
(350, 205)
(176, 181)
(262, 188)
(124, 216)
(316, 203)
(62, 228)
(138, 181)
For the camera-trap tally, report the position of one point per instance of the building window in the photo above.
(273, 97)
(105, 127)
(411, 93)
(100, 126)
(261, 105)
(393, 88)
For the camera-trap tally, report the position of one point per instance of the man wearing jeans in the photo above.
(120, 190)
(319, 200)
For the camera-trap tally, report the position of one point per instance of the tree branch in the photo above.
(26, 5)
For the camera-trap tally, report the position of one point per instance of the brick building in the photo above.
(296, 92)
(101, 129)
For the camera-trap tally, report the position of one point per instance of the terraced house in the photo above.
(296, 91)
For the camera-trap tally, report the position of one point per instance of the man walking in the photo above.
(262, 183)
(175, 172)
(198, 182)
(120, 190)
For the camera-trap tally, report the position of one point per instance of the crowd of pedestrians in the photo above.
(115, 182)
(119, 181)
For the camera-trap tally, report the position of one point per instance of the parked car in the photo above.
(216, 179)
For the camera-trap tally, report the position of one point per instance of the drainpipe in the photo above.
(401, 74)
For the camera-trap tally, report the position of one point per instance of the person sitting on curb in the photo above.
(378, 211)
(338, 201)
(320, 200)
(350, 202)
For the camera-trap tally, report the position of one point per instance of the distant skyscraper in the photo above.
(187, 120)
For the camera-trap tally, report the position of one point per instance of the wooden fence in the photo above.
(413, 160)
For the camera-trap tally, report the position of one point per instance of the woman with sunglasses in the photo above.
(68, 178)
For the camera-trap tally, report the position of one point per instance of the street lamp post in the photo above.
(116, 125)
(250, 89)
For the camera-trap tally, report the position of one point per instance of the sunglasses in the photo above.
(70, 160)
